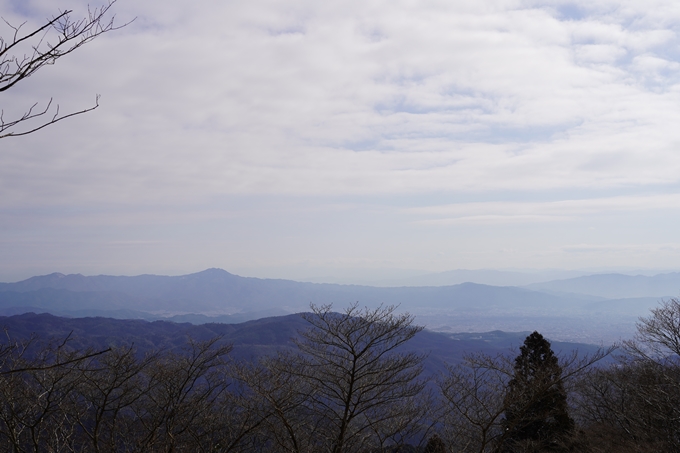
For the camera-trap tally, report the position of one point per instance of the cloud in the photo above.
(363, 97)
(497, 212)
(491, 104)
(640, 249)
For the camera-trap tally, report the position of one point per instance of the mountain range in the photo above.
(250, 339)
(587, 306)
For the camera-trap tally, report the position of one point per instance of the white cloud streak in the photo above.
(551, 211)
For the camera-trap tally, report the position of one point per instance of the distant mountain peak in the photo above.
(214, 271)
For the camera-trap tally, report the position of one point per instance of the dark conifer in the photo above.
(536, 412)
(435, 445)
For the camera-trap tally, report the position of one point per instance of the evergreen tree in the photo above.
(435, 445)
(536, 413)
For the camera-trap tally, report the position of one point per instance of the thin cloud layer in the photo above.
(473, 108)
(565, 210)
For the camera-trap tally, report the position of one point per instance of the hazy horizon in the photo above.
(379, 277)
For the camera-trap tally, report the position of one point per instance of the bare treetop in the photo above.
(23, 54)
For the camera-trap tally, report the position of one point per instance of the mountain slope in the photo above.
(250, 339)
(616, 286)
(219, 292)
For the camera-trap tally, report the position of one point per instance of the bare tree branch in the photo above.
(56, 365)
(21, 56)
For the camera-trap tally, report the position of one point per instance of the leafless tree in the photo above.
(409, 422)
(181, 394)
(101, 407)
(22, 54)
(55, 398)
(359, 380)
(636, 404)
(658, 335)
(472, 404)
(273, 392)
(629, 408)
(348, 389)
(37, 381)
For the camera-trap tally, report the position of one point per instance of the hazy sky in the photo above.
(299, 137)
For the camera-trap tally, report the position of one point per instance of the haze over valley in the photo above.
(601, 308)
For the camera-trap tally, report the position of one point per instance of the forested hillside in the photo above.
(357, 381)
(249, 339)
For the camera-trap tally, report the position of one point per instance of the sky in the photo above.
(299, 138)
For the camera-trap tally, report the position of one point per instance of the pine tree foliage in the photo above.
(536, 411)
(435, 444)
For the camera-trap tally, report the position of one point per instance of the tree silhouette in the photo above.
(536, 413)
(435, 445)
(23, 53)
(350, 389)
